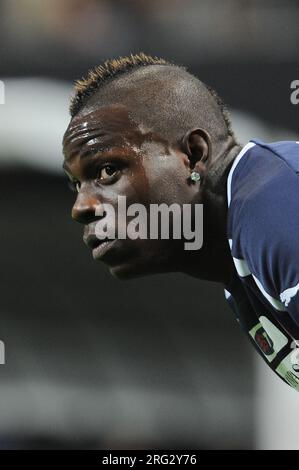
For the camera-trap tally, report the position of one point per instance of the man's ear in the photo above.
(196, 144)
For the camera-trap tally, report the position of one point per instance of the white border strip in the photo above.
(274, 302)
(230, 175)
(287, 295)
(227, 294)
(242, 267)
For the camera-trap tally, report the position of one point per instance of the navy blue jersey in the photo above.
(263, 233)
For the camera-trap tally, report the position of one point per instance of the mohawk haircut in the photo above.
(102, 74)
(109, 70)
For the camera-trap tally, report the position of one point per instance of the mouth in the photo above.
(103, 248)
(99, 247)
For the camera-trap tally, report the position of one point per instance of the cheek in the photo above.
(168, 181)
(124, 187)
(153, 180)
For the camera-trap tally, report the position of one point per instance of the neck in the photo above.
(213, 261)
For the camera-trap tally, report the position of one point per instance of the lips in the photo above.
(103, 248)
(99, 247)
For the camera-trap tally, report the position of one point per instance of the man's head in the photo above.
(140, 126)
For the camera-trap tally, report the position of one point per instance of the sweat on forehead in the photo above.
(103, 128)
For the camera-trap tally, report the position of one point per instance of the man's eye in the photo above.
(77, 185)
(107, 172)
(74, 185)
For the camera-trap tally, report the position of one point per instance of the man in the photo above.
(149, 131)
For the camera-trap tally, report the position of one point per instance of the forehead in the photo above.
(103, 128)
(116, 116)
(110, 129)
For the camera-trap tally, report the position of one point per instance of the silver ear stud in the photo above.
(195, 176)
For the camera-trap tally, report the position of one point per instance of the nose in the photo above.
(84, 209)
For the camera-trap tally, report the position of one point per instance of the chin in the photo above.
(129, 271)
(132, 263)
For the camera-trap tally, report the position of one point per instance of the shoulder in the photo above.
(263, 221)
(260, 167)
(263, 192)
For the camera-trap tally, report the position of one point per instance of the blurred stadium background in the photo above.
(91, 362)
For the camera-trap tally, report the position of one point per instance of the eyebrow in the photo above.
(65, 167)
(67, 172)
(100, 148)
(96, 153)
(90, 153)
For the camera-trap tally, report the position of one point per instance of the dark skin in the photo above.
(108, 154)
